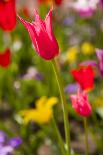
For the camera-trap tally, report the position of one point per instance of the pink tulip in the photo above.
(42, 36)
(81, 104)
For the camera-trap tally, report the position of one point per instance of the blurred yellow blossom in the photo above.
(87, 48)
(98, 102)
(72, 54)
(43, 111)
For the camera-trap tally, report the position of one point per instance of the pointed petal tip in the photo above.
(35, 12)
(52, 8)
(21, 19)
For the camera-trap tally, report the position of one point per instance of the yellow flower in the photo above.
(87, 48)
(72, 54)
(98, 102)
(43, 111)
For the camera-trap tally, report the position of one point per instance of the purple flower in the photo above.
(69, 21)
(15, 142)
(7, 146)
(33, 73)
(99, 64)
(2, 137)
(101, 1)
(6, 150)
(71, 88)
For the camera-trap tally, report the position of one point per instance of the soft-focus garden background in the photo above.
(29, 77)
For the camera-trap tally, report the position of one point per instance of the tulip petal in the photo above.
(92, 63)
(30, 27)
(99, 53)
(85, 77)
(49, 29)
(48, 22)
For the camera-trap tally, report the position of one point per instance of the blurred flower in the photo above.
(17, 85)
(32, 73)
(71, 88)
(50, 2)
(7, 146)
(87, 48)
(98, 102)
(17, 44)
(42, 36)
(2, 137)
(93, 63)
(81, 104)
(101, 2)
(6, 150)
(5, 58)
(43, 111)
(85, 77)
(15, 142)
(72, 54)
(85, 8)
(26, 12)
(7, 15)
(68, 21)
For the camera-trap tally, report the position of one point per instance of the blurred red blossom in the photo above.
(7, 15)
(93, 63)
(42, 36)
(85, 77)
(81, 104)
(55, 2)
(5, 58)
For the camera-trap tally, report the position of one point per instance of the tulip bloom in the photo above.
(42, 36)
(7, 15)
(93, 63)
(85, 77)
(80, 104)
(5, 58)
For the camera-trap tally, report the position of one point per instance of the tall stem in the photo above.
(64, 105)
(86, 137)
(59, 138)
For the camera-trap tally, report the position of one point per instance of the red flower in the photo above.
(80, 104)
(5, 58)
(42, 36)
(7, 15)
(85, 77)
(56, 2)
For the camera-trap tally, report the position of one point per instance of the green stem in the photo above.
(86, 137)
(64, 105)
(59, 138)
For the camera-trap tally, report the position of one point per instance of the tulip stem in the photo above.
(59, 138)
(64, 105)
(86, 137)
